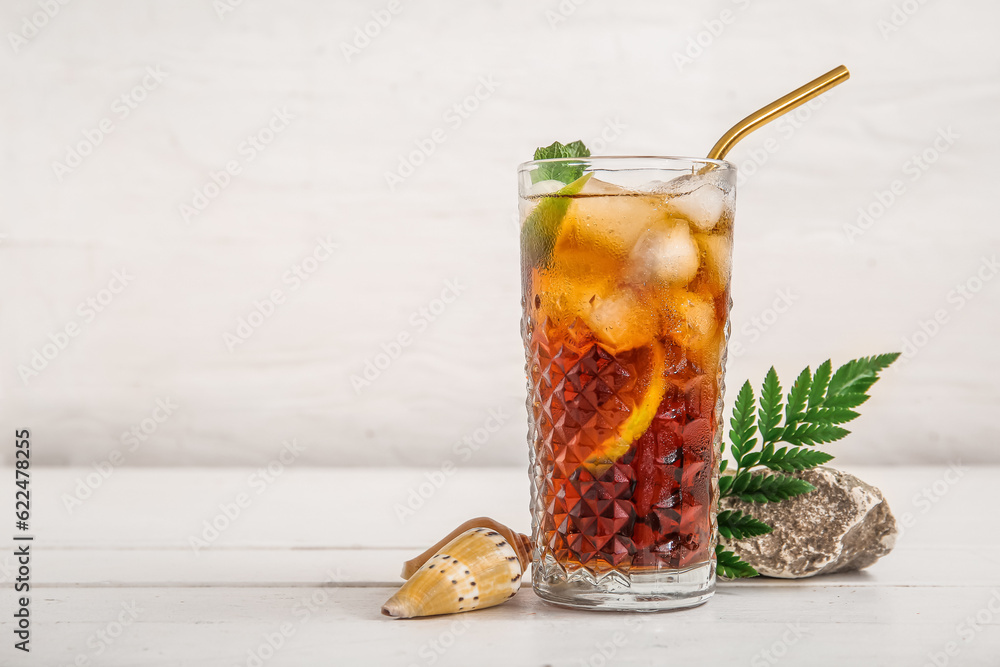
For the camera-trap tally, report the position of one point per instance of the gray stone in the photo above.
(845, 524)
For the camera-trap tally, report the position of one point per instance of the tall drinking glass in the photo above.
(625, 265)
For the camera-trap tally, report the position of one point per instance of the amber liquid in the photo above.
(651, 507)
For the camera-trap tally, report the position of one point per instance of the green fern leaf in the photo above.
(845, 400)
(725, 485)
(794, 458)
(797, 396)
(742, 426)
(813, 434)
(858, 375)
(769, 413)
(728, 565)
(740, 482)
(766, 488)
(827, 415)
(817, 392)
(735, 525)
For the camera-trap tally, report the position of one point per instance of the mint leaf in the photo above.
(558, 150)
(561, 171)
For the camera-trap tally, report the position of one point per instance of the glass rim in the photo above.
(724, 164)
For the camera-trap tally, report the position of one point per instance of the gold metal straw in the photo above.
(766, 114)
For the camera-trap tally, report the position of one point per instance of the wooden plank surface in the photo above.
(316, 552)
(264, 568)
(803, 625)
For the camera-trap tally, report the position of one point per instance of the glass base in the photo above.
(662, 590)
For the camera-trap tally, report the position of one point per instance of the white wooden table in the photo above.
(298, 576)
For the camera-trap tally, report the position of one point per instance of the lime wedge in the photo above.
(642, 416)
(541, 229)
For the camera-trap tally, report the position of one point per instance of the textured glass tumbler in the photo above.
(625, 265)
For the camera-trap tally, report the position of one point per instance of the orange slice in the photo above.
(642, 416)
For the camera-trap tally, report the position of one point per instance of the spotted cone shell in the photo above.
(479, 568)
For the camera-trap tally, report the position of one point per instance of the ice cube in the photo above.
(545, 187)
(573, 278)
(718, 249)
(692, 318)
(620, 321)
(666, 254)
(655, 186)
(703, 206)
(612, 218)
(565, 297)
(595, 186)
(681, 185)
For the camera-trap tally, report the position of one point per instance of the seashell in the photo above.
(479, 568)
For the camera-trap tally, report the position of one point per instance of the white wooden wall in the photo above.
(337, 114)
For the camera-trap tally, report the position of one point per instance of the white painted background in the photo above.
(557, 71)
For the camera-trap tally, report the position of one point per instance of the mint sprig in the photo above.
(560, 171)
(811, 414)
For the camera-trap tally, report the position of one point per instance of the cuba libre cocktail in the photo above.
(626, 295)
